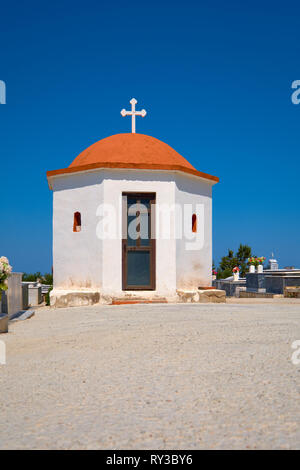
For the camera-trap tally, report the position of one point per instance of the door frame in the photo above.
(152, 245)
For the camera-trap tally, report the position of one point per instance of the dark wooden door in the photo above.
(138, 241)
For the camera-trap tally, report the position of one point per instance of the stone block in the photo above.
(3, 323)
(216, 296)
(73, 299)
(188, 296)
(239, 289)
(292, 292)
(34, 295)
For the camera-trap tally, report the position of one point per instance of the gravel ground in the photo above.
(153, 376)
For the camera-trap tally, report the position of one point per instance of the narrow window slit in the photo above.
(194, 223)
(77, 222)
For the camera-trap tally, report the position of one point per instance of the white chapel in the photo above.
(132, 220)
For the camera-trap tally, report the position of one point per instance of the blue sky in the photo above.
(214, 77)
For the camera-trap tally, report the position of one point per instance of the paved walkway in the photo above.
(153, 376)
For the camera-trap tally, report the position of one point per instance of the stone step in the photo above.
(292, 292)
(258, 295)
(202, 296)
(122, 301)
(22, 315)
(207, 288)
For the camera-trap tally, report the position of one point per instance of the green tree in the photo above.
(30, 277)
(239, 259)
(244, 252)
(227, 264)
(48, 279)
(47, 298)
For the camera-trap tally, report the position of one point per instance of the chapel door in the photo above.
(138, 242)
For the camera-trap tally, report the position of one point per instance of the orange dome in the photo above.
(133, 151)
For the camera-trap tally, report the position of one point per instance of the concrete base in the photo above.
(202, 296)
(3, 323)
(62, 299)
(137, 296)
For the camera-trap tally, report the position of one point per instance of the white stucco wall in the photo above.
(82, 261)
(194, 256)
(77, 256)
(161, 183)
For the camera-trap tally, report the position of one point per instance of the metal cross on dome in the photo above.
(133, 113)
